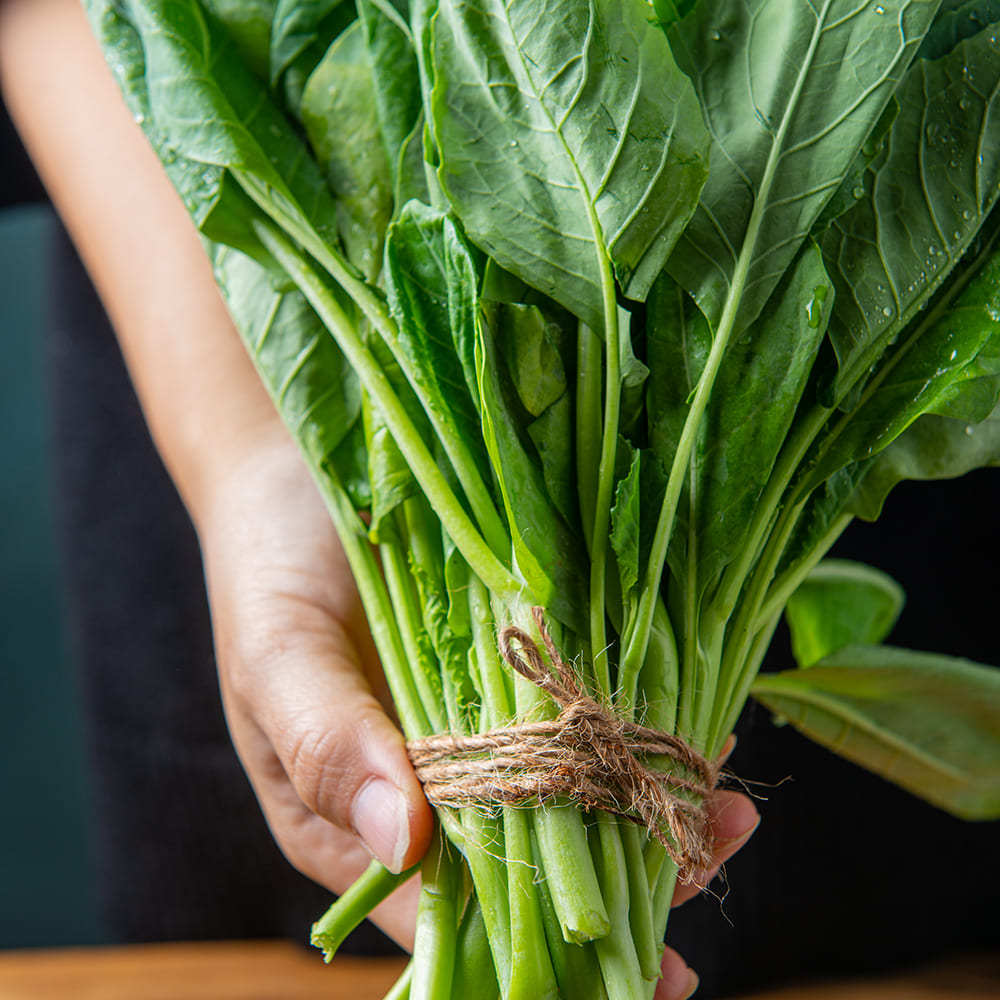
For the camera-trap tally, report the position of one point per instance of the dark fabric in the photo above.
(20, 184)
(184, 850)
(847, 873)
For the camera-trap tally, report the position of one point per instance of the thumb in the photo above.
(316, 743)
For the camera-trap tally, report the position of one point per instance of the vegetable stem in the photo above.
(435, 940)
(471, 544)
(374, 886)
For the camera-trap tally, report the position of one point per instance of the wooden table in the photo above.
(279, 971)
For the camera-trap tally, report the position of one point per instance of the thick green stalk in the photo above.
(564, 852)
(474, 549)
(475, 974)
(663, 896)
(640, 907)
(560, 833)
(578, 972)
(353, 907)
(436, 936)
(532, 976)
(485, 853)
(616, 952)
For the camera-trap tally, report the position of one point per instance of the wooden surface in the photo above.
(279, 971)
(259, 970)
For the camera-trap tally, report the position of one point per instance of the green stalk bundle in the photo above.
(622, 311)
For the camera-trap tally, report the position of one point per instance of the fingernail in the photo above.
(693, 983)
(380, 818)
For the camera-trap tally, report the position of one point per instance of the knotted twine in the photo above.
(587, 754)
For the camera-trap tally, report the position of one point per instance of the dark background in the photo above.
(47, 891)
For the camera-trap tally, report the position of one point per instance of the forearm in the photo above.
(203, 402)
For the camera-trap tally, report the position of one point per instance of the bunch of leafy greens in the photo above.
(623, 310)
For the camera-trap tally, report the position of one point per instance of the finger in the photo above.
(333, 857)
(322, 734)
(727, 750)
(733, 818)
(677, 981)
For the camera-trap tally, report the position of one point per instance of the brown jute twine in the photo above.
(587, 754)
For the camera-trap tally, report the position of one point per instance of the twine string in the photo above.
(587, 754)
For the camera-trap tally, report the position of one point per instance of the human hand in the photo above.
(303, 692)
(306, 701)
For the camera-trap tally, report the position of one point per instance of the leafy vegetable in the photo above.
(624, 312)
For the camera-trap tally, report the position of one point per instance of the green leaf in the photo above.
(956, 21)
(678, 341)
(249, 24)
(199, 186)
(625, 527)
(947, 362)
(533, 359)
(298, 25)
(852, 187)
(786, 123)
(546, 551)
(338, 101)
(392, 483)
(431, 284)
(394, 67)
(758, 389)
(531, 343)
(757, 393)
(929, 723)
(313, 387)
(669, 11)
(841, 604)
(547, 186)
(922, 208)
(549, 434)
(203, 105)
(931, 448)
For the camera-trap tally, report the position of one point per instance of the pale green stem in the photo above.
(377, 605)
(435, 939)
(640, 906)
(588, 425)
(376, 884)
(782, 587)
(405, 605)
(605, 491)
(639, 635)
(616, 952)
(475, 550)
